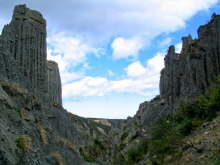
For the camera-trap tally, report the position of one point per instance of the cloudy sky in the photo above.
(110, 52)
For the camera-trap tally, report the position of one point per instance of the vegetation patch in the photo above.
(215, 160)
(124, 135)
(43, 135)
(91, 152)
(24, 143)
(86, 157)
(68, 144)
(58, 157)
(137, 153)
(167, 134)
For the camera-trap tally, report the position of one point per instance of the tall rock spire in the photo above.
(25, 37)
(190, 73)
(54, 83)
(23, 55)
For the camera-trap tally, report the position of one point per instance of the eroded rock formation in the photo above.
(54, 83)
(189, 73)
(186, 74)
(23, 55)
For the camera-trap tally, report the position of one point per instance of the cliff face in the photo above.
(190, 73)
(186, 74)
(23, 54)
(34, 127)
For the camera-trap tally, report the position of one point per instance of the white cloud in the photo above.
(129, 17)
(139, 80)
(71, 49)
(88, 86)
(124, 48)
(2, 23)
(136, 69)
(100, 20)
(178, 47)
(155, 64)
(68, 52)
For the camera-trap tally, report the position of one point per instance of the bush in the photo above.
(86, 157)
(137, 153)
(215, 160)
(24, 143)
(167, 133)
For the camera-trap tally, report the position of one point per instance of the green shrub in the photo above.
(215, 160)
(167, 133)
(124, 135)
(137, 153)
(100, 144)
(24, 143)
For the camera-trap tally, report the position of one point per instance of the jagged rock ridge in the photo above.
(186, 74)
(190, 73)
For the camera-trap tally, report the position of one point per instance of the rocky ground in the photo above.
(34, 134)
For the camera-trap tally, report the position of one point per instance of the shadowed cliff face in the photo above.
(190, 73)
(34, 127)
(23, 54)
(186, 75)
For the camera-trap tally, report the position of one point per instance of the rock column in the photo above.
(25, 39)
(54, 83)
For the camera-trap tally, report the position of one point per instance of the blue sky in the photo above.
(110, 52)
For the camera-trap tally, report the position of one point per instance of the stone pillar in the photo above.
(54, 83)
(25, 39)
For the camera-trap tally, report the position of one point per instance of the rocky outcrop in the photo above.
(54, 83)
(23, 55)
(34, 127)
(34, 134)
(190, 73)
(25, 39)
(186, 74)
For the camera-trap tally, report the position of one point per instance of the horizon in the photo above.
(107, 71)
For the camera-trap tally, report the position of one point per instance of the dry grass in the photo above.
(67, 144)
(58, 157)
(43, 135)
(24, 142)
